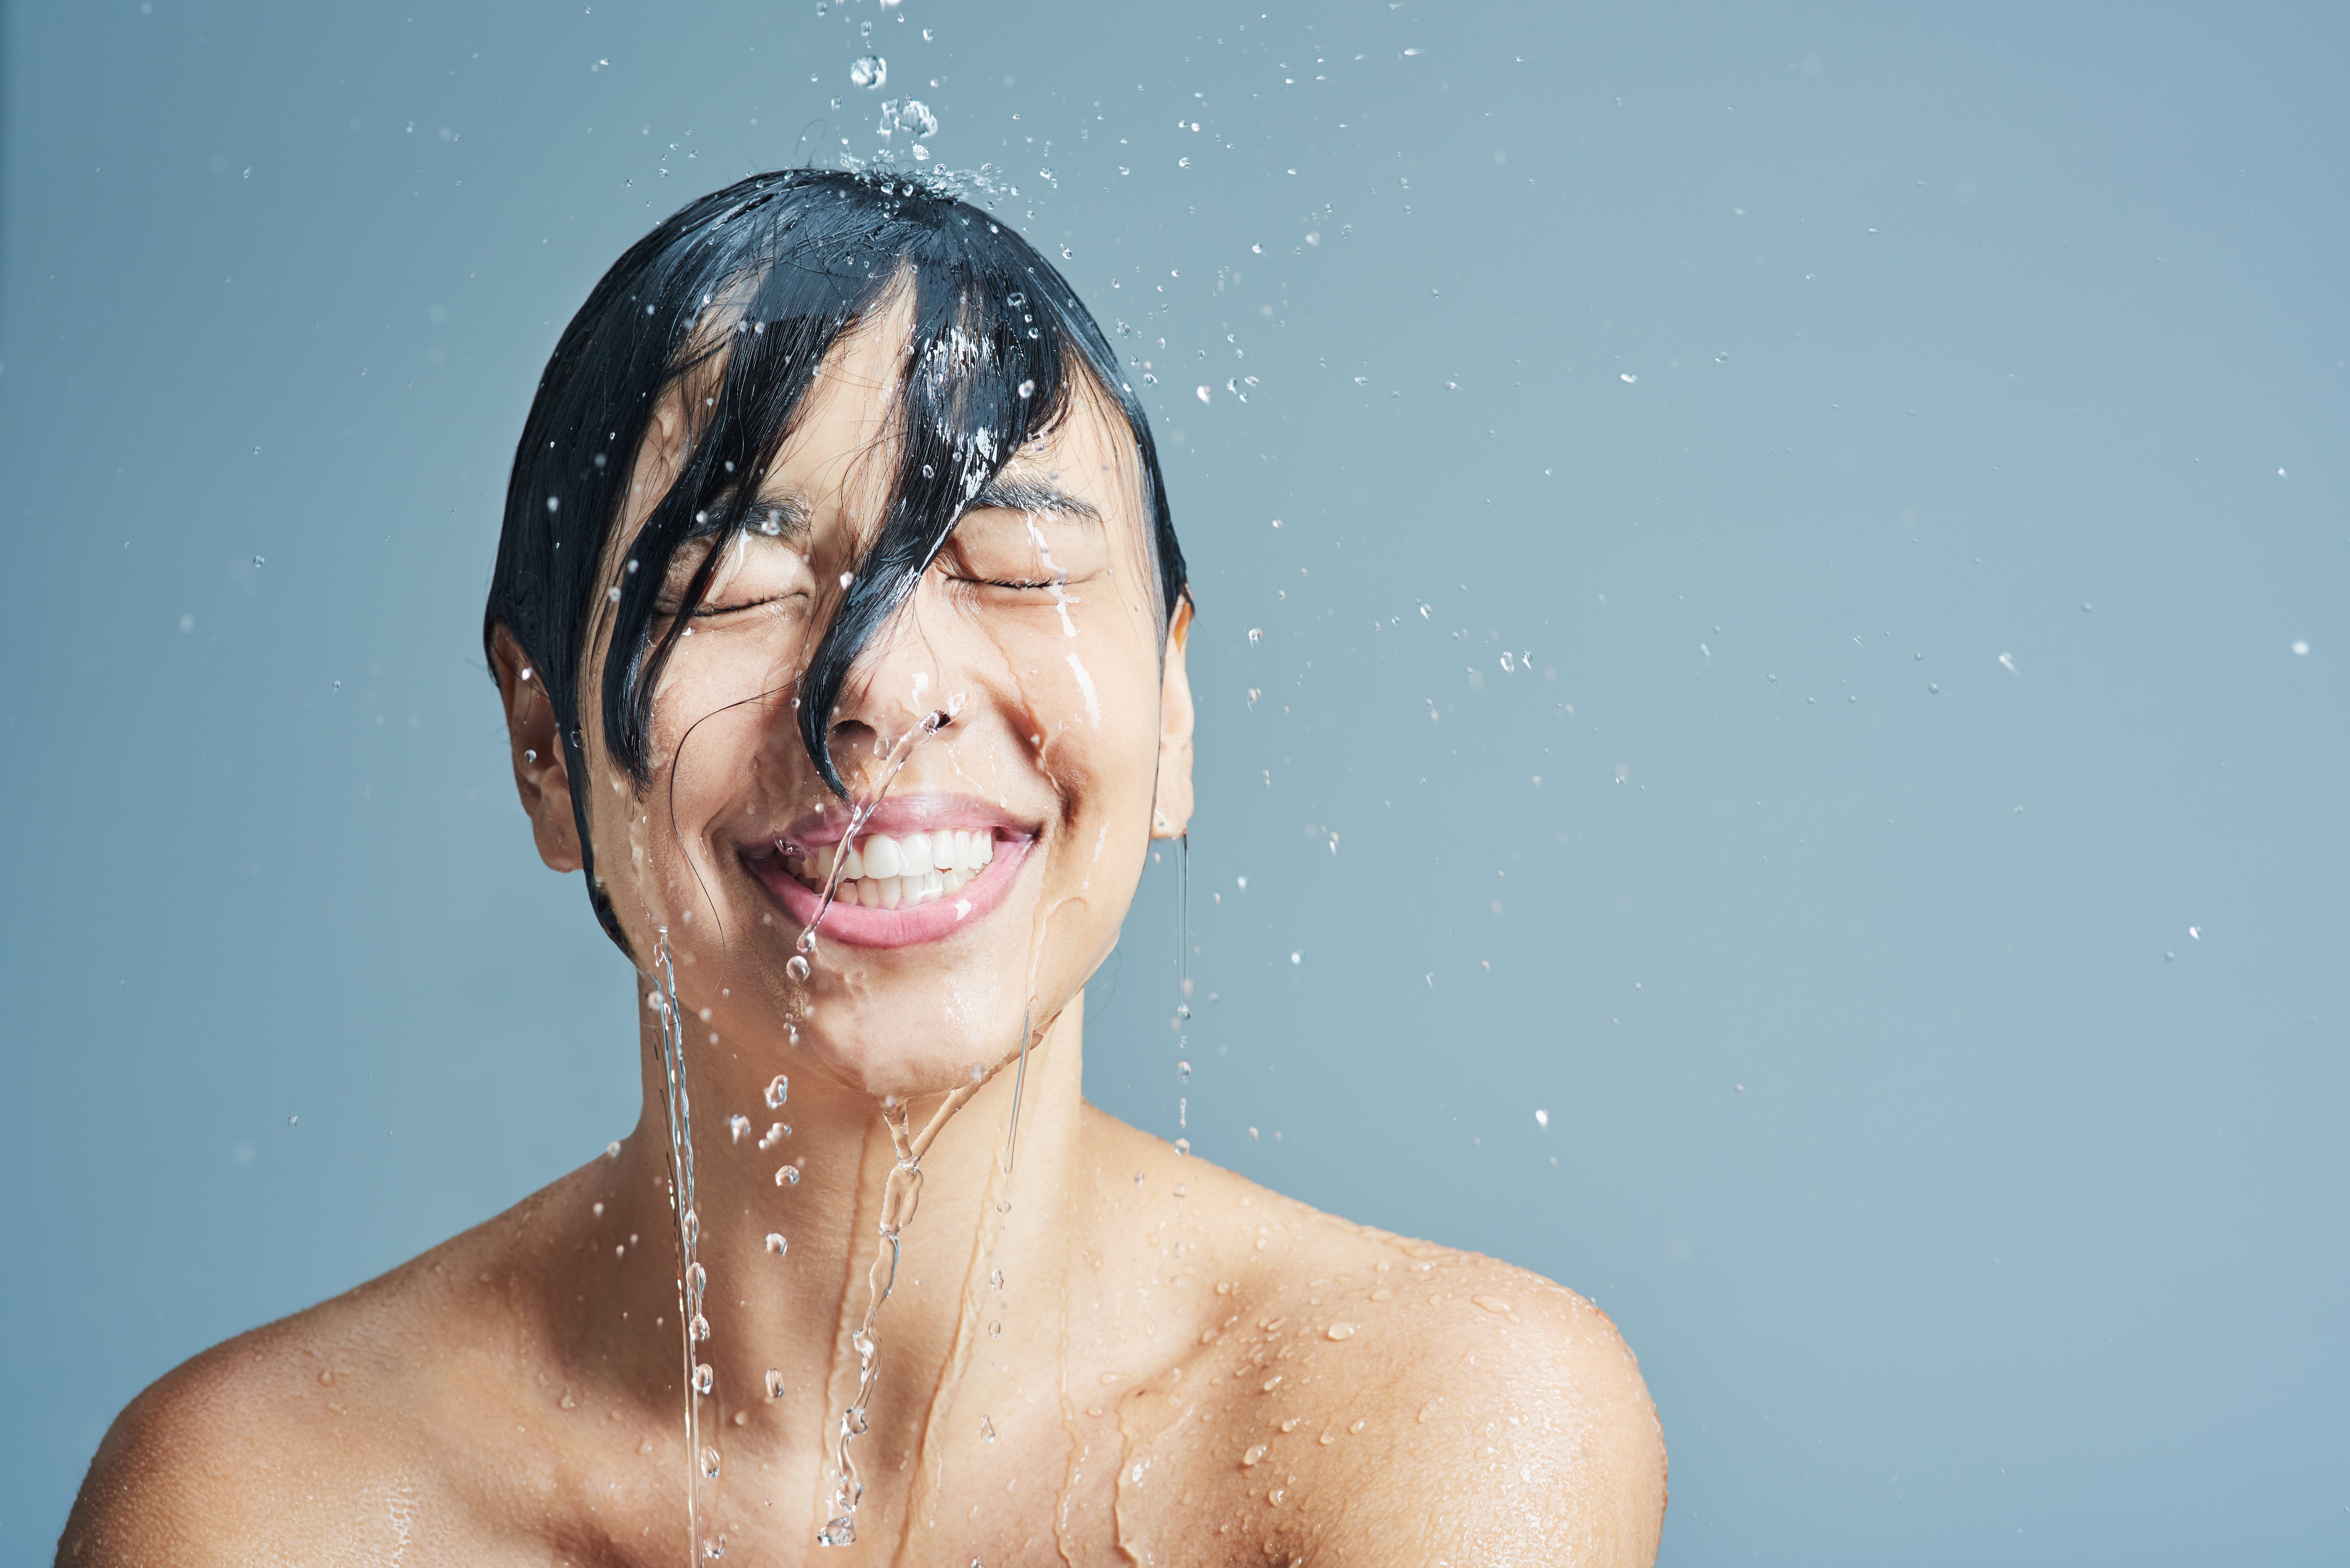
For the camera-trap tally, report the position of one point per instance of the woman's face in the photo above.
(992, 878)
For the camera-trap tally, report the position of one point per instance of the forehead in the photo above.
(842, 454)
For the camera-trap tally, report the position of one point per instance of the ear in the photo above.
(1170, 808)
(541, 776)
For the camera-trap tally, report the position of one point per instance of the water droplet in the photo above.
(1340, 1331)
(1542, 1118)
(1253, 1455)
(996, 1279)
(1183, 1071)
(1256, 634)
(914, 117)
(996, 1329)
(699, 1328)
(987, 1428)
(868, 71)
(796, 966)
(259, 562)
(1026, 388)
(692, 1226)
(1297, 957)
(776, 1244)
(777, 1092)
(789, 1176)
(704, 1379)
(709, 1463)
(738, 1124)
(775, 1384)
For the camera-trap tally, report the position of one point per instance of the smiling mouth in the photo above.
(903, 872)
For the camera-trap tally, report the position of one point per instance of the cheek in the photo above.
(1112, 765)
(709, 744)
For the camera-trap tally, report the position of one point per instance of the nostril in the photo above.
(851, 733)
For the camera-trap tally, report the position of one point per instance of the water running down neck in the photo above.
(899, 1194)
(677, 1106)
(902, 1189)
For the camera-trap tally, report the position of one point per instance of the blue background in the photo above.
(1756, 376)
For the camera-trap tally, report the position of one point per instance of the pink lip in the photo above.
(856, 926)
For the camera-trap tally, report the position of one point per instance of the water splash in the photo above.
(860, 815)
(692, 1280)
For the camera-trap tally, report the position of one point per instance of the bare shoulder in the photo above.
(1505, 1420)
(236, 1455)
(320, 1438)
(1395, 1401)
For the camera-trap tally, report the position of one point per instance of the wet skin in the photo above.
(1177, 1367)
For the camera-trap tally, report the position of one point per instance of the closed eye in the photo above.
(709, 611)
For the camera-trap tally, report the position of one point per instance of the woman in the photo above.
(839, 622)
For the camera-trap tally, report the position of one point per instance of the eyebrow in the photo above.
(782, 514)
(1016, 494)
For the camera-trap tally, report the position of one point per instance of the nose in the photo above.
(893, 695)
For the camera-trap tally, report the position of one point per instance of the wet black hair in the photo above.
(739, 296)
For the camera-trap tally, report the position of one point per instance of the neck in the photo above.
(792, 1320)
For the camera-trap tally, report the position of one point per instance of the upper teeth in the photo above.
(884, 873)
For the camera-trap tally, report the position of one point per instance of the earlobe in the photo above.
(542, 777)
(1170, 808)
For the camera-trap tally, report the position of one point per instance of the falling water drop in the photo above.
(868, 71)
(776, 1244)
(738, 1125)
(796, 966)
(777, 1092)
(1542, 1118)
